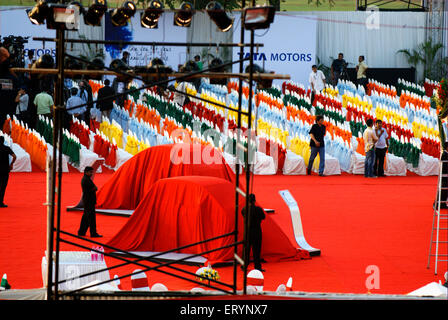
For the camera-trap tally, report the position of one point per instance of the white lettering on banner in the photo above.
(282, 56)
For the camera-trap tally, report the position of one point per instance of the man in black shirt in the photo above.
(89, 201)
(317, 144)
(337, 68)
(5, 167)
(105, 106)
(256, 215)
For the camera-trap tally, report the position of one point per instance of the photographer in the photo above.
(338, 69)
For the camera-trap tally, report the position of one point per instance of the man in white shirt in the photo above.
(370, 138)
(380, 148)
(317, 81)
(361, 70)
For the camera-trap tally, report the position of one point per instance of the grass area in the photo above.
(286, 5)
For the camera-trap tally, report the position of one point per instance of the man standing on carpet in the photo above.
(370, 138)
(256, 215)
(5, 167)
(317, 145)
(380, 148)
(89, 201)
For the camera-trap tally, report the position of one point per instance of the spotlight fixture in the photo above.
(120, 16)
(64, 17)
(258, 17)
(216, 12)
(38, 13)
(183, 17)
(95, 13)
(151, 16)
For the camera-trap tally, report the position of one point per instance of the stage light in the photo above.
(120, 16)
(150, 17)
(183, 17)
(64, 17)
(38, 13)
(95, 13)
(258, 17)
(216, 12)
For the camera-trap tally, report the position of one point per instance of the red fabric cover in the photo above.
(183, 210)
(132, 181)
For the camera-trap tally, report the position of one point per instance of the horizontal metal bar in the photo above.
(157, 254)
(212, 75)
(152, 44)
(177, 261)
(132, 262)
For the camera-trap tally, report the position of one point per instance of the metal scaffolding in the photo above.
(56, 236)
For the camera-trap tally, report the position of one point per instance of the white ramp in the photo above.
(297, 223)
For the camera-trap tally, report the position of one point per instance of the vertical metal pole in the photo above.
(237, 165)
(58, 116)
(247, 162)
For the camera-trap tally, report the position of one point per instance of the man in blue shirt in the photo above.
(72, 104)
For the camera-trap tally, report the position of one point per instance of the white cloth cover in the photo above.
(332, 166)
(64, 158)
(264, 164)
(427, 166)
(23, 160)
(86, 159)
(230, 160)
(294, 164)
(122, 157)
(395, 166)
(357, 163)
(432, 289)
(73, 264)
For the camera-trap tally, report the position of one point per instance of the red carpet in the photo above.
(356, 222)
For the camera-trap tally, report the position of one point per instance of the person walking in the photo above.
(370, 138)
(256, 216)
(317, 144)
(5, 168)
(88, 220)
(381, 147)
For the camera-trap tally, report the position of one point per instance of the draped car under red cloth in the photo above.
(183, 210)
(132, 181)
(182, 194)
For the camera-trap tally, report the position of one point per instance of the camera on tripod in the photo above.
(16, 49)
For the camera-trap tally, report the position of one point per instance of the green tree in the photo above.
(427, 54)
